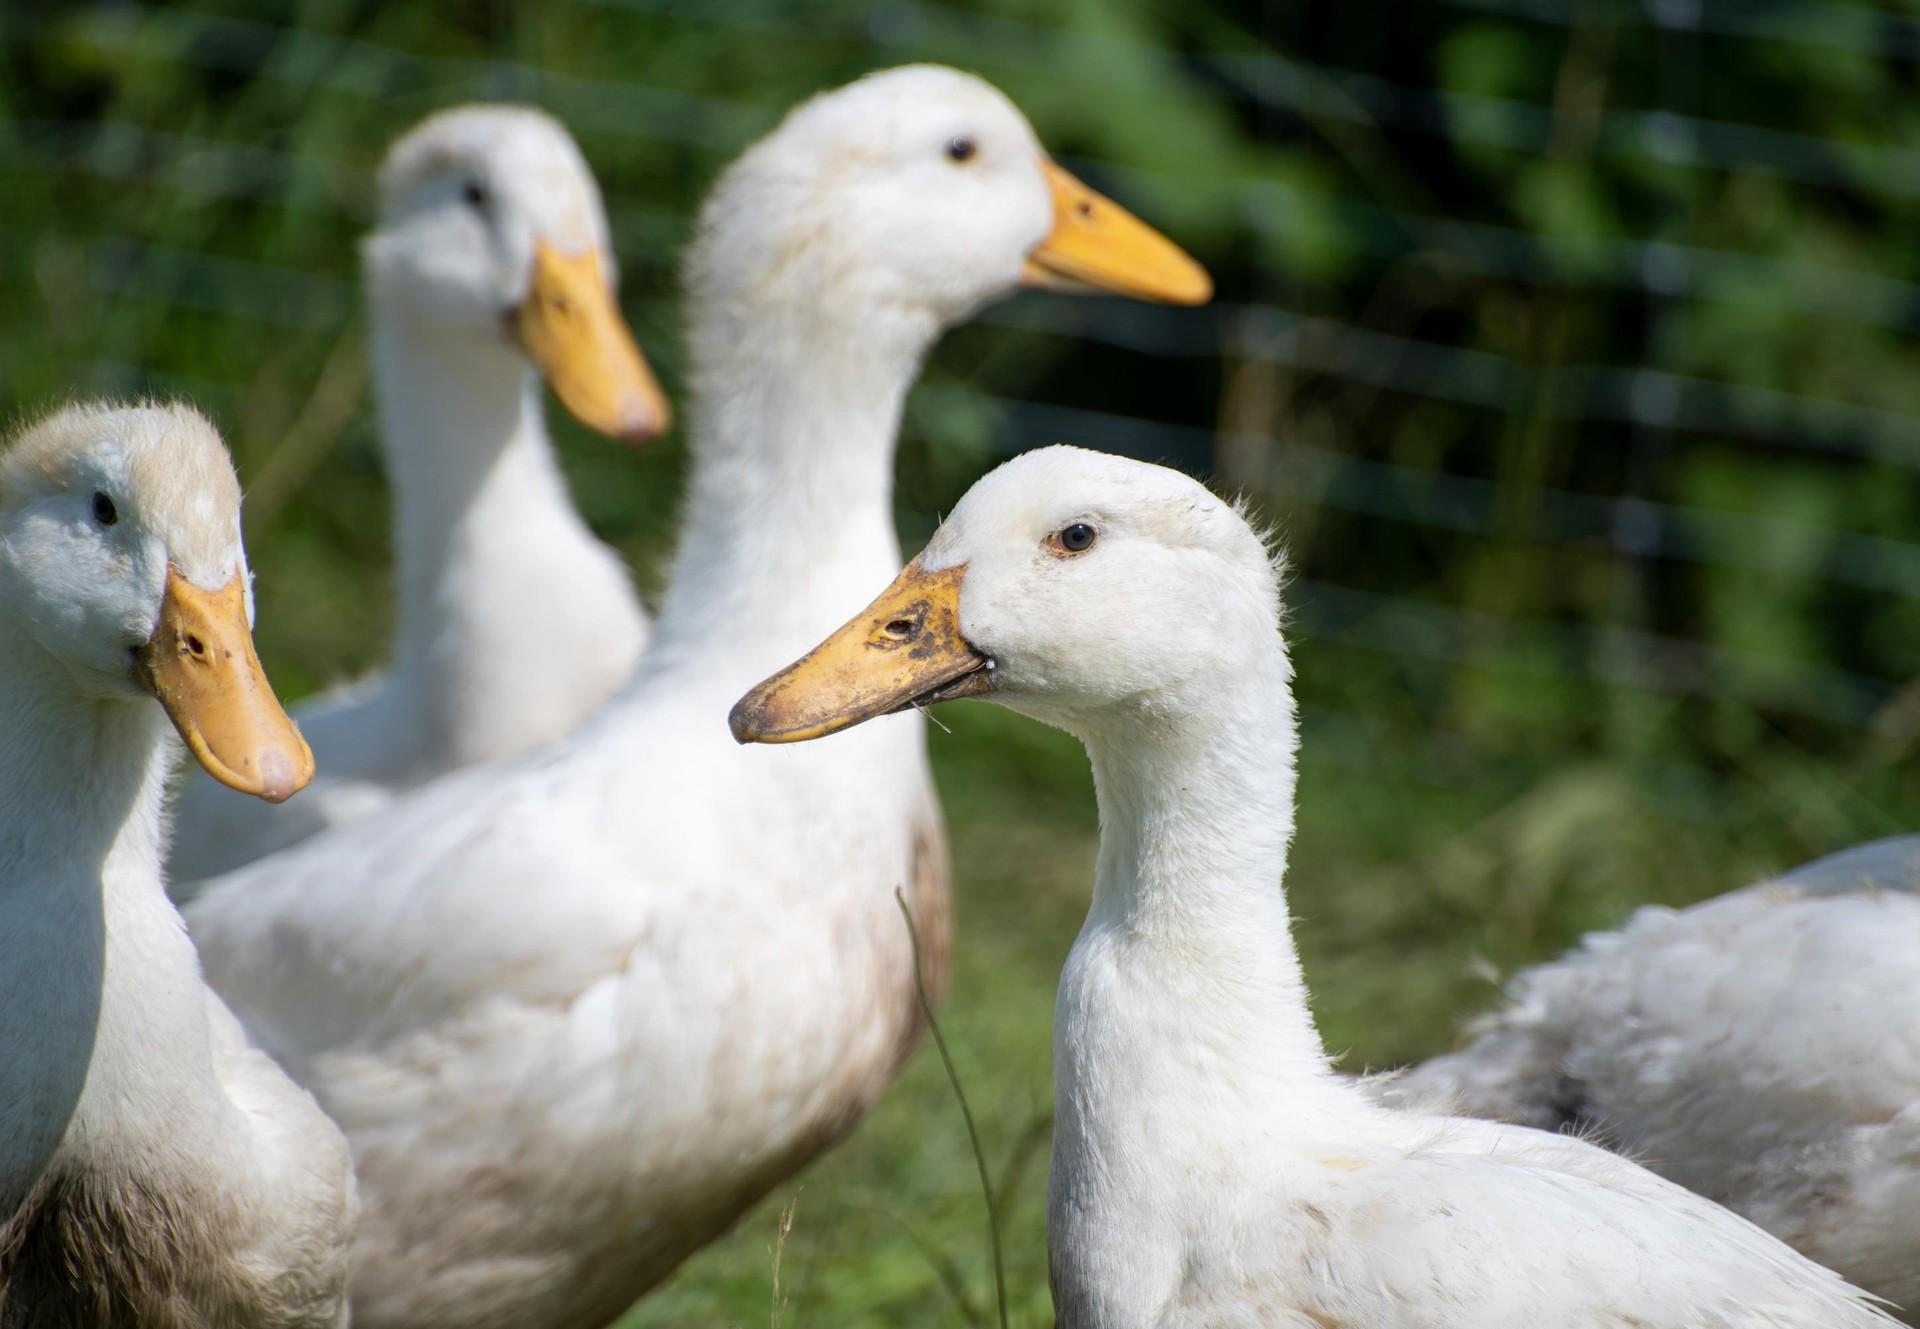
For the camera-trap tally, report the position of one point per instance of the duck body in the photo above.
(514, 622)
(1368, 1217)
(154, 1169)
(1761, 1048)
(1209, 1169)
(577, 1012)
(191, 1183)
(681, 1030)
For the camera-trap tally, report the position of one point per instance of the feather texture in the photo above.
(1762, 1048)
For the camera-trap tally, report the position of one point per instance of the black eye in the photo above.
(1076, 539)
(475, 194)
(103, 510)
(961, 148)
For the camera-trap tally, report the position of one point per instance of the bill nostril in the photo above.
(901, 629)
(196, 647)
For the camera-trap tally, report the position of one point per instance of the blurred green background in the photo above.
(1570, 343)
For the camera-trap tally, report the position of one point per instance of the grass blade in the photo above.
(973, 1133)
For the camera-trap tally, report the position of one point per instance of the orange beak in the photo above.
(902, 650)
(1097, 244)
(201, 665)
(573, 331)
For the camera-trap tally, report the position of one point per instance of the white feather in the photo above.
(1762, 1048)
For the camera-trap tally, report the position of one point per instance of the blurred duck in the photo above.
(1762, 1048)
(491, 269)
(578, 1011)
(1208, 1168)
(153, 1169)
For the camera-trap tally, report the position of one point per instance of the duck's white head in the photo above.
(900, 203)
(1072, 585)
(492, 230)
(121, 557)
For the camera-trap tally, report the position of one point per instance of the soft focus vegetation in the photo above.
(1569, 342)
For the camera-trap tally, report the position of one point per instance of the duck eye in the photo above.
(961, 148)
(103, 510)
(1075, 539)
(475, 195)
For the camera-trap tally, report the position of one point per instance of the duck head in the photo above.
(121, 557)
(897, 205)
(1074, 586)
(492, 229)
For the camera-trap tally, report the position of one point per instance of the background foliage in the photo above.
(1569, 341)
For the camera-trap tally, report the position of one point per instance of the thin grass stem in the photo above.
(781, 1233)
(973, 1133)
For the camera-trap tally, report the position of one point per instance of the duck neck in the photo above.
(81, 779)
(101, 1007)
(466, 446)
(1196, 812)
(789, 514)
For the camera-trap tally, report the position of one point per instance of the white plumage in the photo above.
(578, 1010)
(1209, 1169)
(154, 1170)
(1762, 1048)
(513, 622)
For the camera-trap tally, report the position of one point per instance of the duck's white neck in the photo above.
(1184, 1050)
(99, 986)
(789, 519)
(1183, 997)
(497, 573)
(80, 778)
(460, 424)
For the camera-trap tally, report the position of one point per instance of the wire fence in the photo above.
(1319, 245)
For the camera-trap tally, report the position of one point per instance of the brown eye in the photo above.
(1075, 539)
(475, 195)
(961, 148)
(103, 510)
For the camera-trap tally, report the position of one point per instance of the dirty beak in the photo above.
(1097, 244)
(904, 649)
(573, 331)
(201, 665)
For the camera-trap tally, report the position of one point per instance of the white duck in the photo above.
(1209, 1169)
(576, 1012)
(154, 1170)
(490, 270)
(1762, 1048)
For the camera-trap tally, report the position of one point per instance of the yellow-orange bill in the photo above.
(201, 664)
(904, 648)
(572, 329)
(1099, 244)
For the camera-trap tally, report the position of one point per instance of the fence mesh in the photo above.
(1565, 339)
